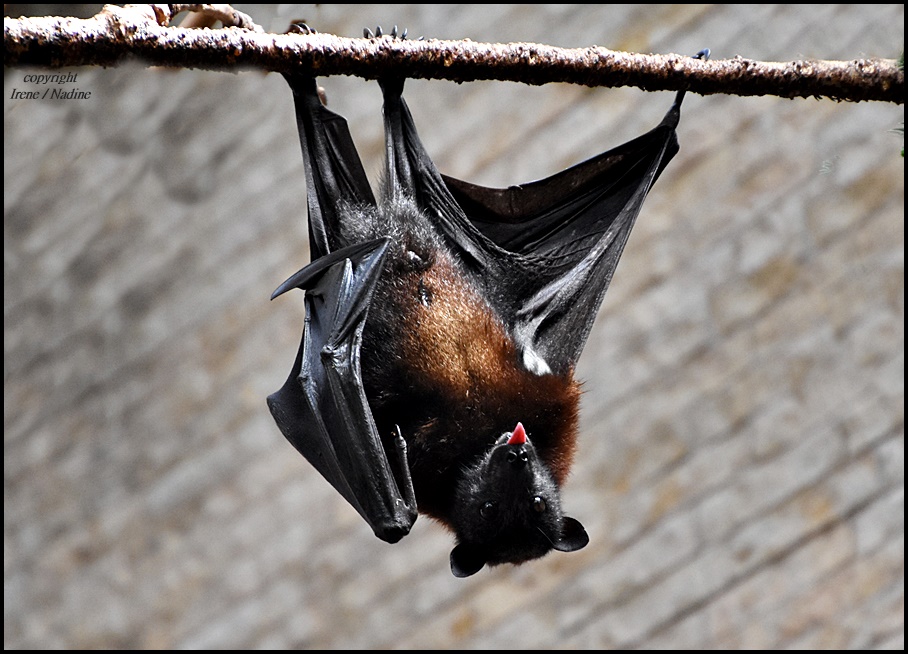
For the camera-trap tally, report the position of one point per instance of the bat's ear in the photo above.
(573, 536)
(467, 560)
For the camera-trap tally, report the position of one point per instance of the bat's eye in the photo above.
(488, 510)
(539, 504)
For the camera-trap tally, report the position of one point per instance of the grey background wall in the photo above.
(741, 468)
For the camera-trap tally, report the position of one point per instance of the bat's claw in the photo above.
(379, 33)
(301, 28)
(679, 97)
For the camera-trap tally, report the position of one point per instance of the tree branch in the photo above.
(140, 32)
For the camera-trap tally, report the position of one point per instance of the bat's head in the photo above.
(508, 509)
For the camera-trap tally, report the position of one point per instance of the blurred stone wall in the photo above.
(741, 466)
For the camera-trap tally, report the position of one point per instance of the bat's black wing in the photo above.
(334, 173)
(322, 408)
(542, 253)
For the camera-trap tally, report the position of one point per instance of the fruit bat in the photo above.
(443, 323)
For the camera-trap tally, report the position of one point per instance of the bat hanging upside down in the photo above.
(443, 322)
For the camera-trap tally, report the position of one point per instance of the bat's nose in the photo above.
(518, 457)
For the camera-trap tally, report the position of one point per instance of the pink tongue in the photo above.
(519, 437)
